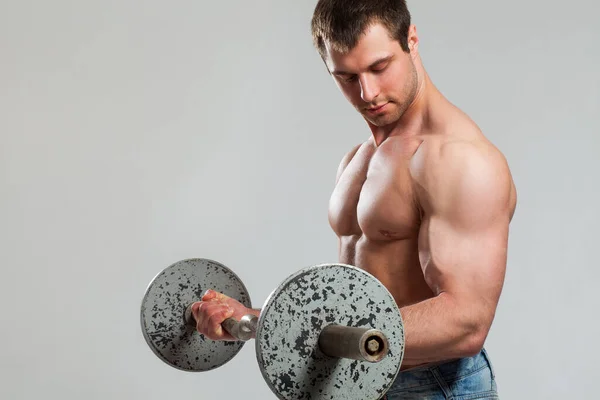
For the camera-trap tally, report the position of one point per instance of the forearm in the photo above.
(439, 329)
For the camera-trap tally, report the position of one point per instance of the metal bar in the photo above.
(362, 344)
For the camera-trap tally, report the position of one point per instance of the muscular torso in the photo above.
(375, 212)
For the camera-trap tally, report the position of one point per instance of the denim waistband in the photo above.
(449, 371)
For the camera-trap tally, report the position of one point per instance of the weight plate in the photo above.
(295, 313)
(163, 307)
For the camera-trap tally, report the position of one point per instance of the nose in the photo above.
(369, 89)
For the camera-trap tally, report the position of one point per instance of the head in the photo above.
(369, 47)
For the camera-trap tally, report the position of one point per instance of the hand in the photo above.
(215, 308)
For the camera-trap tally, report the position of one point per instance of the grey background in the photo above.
(135, 134)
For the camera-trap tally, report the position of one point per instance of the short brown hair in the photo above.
(342, 22)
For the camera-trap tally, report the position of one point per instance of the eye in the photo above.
(380, 67)
(346, 78)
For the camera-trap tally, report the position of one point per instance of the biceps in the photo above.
(466, 262)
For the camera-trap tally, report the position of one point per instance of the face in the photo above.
(377, 77)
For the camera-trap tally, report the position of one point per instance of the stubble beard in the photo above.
(409, 93)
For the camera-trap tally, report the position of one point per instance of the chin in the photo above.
(382, 121)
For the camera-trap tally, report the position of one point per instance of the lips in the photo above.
(376, 109)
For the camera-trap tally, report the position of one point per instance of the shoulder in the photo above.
(456, 173)
(455, 156)
(350, 154)
(347, 157)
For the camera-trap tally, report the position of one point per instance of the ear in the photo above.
(413, 40)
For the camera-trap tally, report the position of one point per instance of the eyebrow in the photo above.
(378, 61)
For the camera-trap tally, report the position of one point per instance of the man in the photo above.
(424, 204)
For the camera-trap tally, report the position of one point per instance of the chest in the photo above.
(374, 195)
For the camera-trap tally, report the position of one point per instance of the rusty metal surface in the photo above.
(295, 313)
(164, 305)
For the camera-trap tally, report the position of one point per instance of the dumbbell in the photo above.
(327, 331)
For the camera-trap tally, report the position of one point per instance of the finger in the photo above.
(209, 313)
(220, 332)
(213, 323)
(207, 310)
(201, 310)
(209, 295)
(197, 309)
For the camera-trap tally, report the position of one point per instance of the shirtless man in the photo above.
(424, 204)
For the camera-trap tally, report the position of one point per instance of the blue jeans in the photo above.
(464, 379)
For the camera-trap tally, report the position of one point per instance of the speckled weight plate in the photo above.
(293, 316)
(163, 308)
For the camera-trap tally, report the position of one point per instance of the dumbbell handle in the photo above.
(243, 330)
(362, 344)
(334, 340)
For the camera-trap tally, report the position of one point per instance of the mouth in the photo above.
(376, 110)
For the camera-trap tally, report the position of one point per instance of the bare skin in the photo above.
(424, 204)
